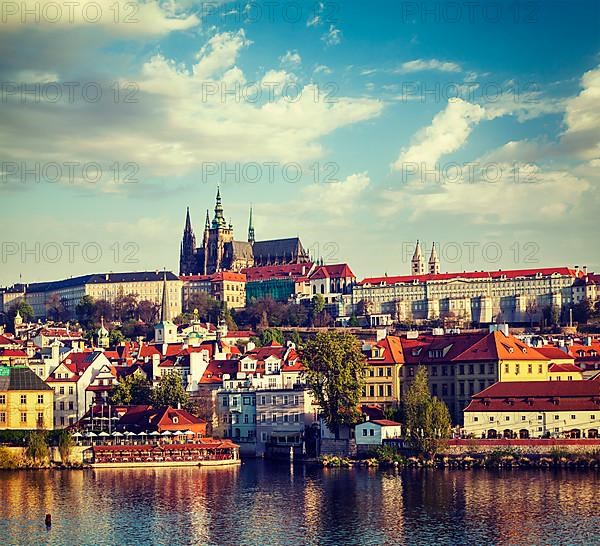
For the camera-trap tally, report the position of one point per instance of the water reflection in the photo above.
(262, 503)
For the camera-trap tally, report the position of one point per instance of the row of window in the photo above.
(235, 419)
(381, 372)
(382, 390)
(61, 405)
(264, 400)
(24, 417)
(61, 389)
(524, 418)
(23, 399)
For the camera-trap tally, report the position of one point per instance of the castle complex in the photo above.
(220, 252)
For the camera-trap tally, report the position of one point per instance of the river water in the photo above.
(273, 503)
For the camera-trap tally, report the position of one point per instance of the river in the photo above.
(272, 503)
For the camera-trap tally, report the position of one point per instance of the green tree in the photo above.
(295, 338)
(583, 311)
(269, 335)
(85, 310)
(116, 337)
(37, 446)
(65, 445)
(335, 375)
(134, 389)
(24, 309)
(427, 418)
(147, 311)
(353, 322)
(170, 391)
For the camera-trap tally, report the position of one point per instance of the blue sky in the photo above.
(478, 130)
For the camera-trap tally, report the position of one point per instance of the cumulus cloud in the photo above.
(336, 198)
(291, 58)
(448, 131)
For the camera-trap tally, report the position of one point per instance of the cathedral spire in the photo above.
(219, 219)
(418, 262)
(188, 221)
(250, 229)
(434, 261)
(207, 222)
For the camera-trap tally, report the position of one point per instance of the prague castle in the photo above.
(220, 252)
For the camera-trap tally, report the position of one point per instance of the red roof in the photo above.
(215, 370)
(13, 352)
(4, 340)
(553, 353)
(557, 368)
(220, 276)
(538, 396)
(287, 271)
(497, 346)
(337, 271)
(392, 351)
(509, 274)
(386, 423)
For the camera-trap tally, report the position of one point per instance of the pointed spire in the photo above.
(219, 219)
(250, 228)
(418, 262)
(434, 262)
(188, 221)
(207, 222)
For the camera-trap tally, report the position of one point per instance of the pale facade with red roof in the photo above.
(477, 296)
(535, 410)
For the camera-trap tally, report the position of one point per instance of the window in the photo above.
(434, 390)
(61, 406)
(539, 368)
(517, 369)
(491, 419)
(461, 388)
(286, 418)
(225, 401)
(264, 436)
(234, 402)
(482, 369)
(529, 368)
(371, 432)
(556, 417)
(296, 400)
(263, 418)
(364, 431)
(475, 419)
(540, 417)
(2, 398)
(62, 421)
(433, 370)
(389, 390)
(296, 417)
(461, 369)
(573, 417)
(507, 418)
(506, 368)
(522, 418)
(61, 390)
(286, 400)
(71, 406)
(274, 418)
(274, 400)
(40, 418)
(246, 419)
(175, 420)
(380, 372)
(23, 399)
(40, 398)
(471, 369)
(23, 417)
(246, 401)
(371, 390)
(2, 417)
(592, 417)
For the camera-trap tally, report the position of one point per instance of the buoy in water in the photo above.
(48, 520)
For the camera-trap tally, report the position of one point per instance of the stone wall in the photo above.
(530, 447)
(339, 448)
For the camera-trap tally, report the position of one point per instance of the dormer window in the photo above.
(175, 420)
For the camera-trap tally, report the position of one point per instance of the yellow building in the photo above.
(384, 365)
(26, 402)
(225, 286)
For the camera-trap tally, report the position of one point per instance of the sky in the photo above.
(360, 127)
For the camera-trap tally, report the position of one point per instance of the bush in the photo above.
(8, 460)
(387, 454)
(37, 446)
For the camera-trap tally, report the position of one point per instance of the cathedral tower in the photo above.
(434, 261)
(250, 229)
(418, 261)
(187, 253)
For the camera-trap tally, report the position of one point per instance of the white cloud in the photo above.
(448, 131)
(335, 198)
(419, 65)
(333, 36)
(291, 58)
(322, 69)
(126, 18)
(582, 119)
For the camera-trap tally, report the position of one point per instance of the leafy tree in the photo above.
(335, 375)
(583, 311)
(531, 310)
(85, 310)
(147, 311)
(125, 307)
(228, 318)
(170, 391)
(134, 389)
(65, 445)
(353, 322)
(552, 315)
(135, 328)
(24, 309)
(427, 418)
(37, 446)
(209, 308)
(271, 334)
(294, 337)
(55, 309)
(103, 308)
(116, 337)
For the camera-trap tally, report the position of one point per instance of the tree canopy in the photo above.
(132, 390)
(335, 375)
(427, 418)
(170, 391)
